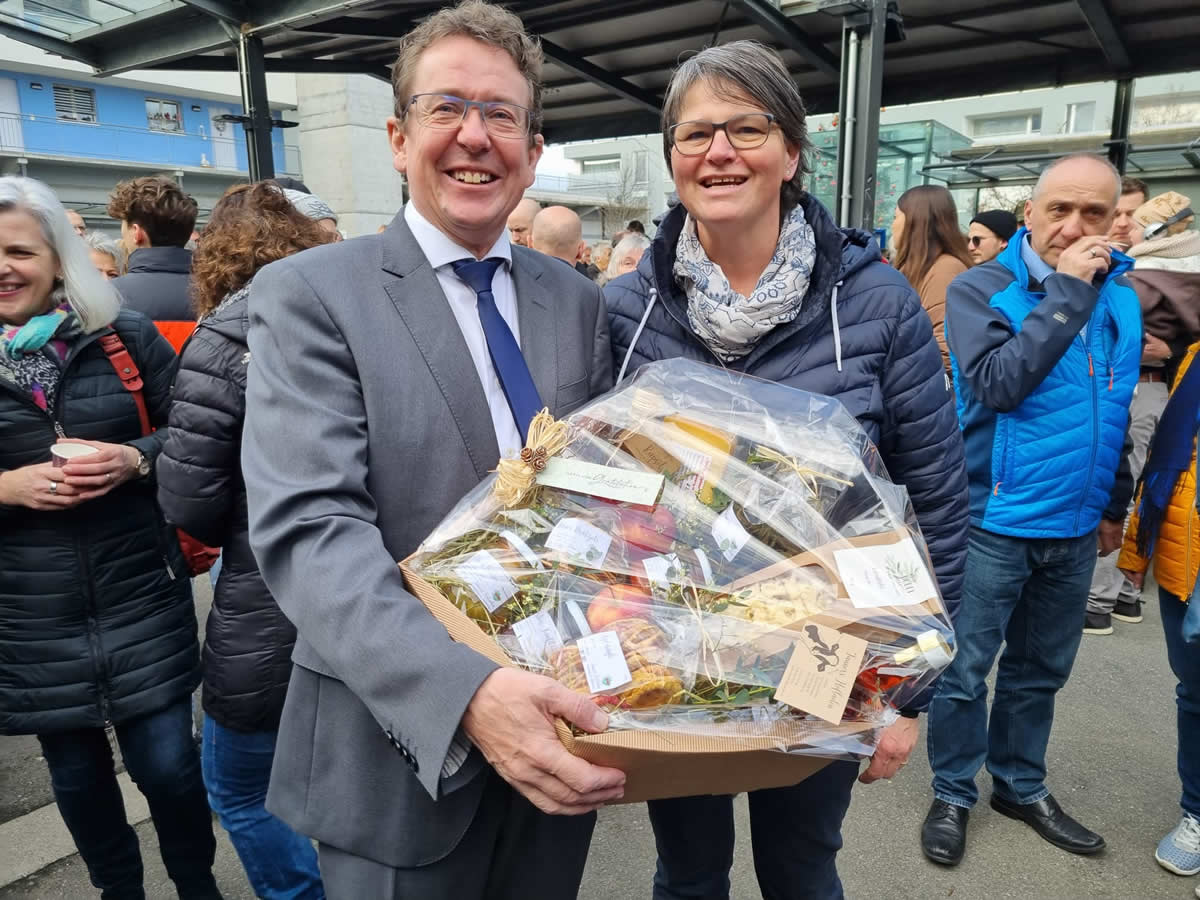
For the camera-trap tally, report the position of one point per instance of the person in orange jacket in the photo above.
(1164, 529)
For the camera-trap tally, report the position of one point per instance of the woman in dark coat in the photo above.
(750, 272)
(97, 626)
(248, 641)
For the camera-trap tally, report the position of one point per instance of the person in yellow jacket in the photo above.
(1165, 530)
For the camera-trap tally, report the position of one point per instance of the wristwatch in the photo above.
(142, 465)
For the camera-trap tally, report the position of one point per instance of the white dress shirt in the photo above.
(441, 251)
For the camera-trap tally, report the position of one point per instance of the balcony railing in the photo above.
(23, 133)
(581, 184)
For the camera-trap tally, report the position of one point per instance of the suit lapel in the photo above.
(537, 314)
(413, 287)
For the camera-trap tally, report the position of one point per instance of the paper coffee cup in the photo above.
(64, 453)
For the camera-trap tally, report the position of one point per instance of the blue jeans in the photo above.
(795, 832)
(1031, 596)
(280, 864)
(161, 758)
(1185, 664)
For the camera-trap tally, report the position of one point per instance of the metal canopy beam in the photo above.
(271, 64)
(1107, 34)
(233, 13)
(768, 16)
(1118, 144)
(45, 42)
(863, 38)
(619, 86)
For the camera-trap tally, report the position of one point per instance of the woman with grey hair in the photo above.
(627, 254)
(97, 627)
(750, 272)
(106, 255)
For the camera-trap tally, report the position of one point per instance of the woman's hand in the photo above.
(39, 487)
(95, 475)
(895, 744)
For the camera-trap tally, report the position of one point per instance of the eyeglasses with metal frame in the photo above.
(445, 112)
(744, 132)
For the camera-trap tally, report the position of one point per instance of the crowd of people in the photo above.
(1029, 383)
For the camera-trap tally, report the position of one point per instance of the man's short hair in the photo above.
(159, 206)
(635, 225)
(485, 23)
(1072, 157)
(1130, 185)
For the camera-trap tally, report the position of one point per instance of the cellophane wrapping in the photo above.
(773, 539)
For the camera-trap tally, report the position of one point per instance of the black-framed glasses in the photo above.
(445, 112)
(974, 240)
(745, 132)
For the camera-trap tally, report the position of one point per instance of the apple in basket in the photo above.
(654, 531)
(617, 601)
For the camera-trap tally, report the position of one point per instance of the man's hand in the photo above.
(896, 743)
(1109, 535)
(95, 475)
(511, 720)
(1155, 349)
(1086, 258)
(1135, 578)
(39, 487)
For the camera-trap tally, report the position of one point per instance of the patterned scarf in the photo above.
(24, 361)
(727, 322)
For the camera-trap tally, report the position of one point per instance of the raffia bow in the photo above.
(515, 478)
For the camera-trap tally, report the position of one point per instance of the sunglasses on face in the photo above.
(974, 241)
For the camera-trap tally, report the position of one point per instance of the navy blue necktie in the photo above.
(519, 389)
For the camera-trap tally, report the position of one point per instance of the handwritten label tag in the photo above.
(608, 482)
(583, 542)
(885, 575)
(487, 579)
(659, 569)
(729, 534)
(521, 547)
(604, 662)
(538, 635)
(821, 672)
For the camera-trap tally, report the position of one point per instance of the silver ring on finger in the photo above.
(1093, 252)
(53, 487)
(108, 476)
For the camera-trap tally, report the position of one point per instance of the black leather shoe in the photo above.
(1047, 818)
(944, 833)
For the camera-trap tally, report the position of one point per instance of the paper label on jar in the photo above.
(583, 542)
(604, 662)
(521, 547)
(820, 674)
(885, 575)
(538, 635)
(729, 534)
(487, 579)
(609, 482)
(702, 558)
(695, 462)
(661, 569)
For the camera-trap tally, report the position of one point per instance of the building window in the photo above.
(163, 115)
(1176, 108)
(1081, 117)
(605, 169)
(74, 104)
(1006, 124)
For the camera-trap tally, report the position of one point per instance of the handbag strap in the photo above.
(127, 370)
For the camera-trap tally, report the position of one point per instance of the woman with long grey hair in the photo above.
(750, 272)
(97, 627)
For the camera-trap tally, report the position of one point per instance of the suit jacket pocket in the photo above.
(569, 396)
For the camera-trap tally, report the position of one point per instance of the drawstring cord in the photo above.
(637, 334)
(837, 331)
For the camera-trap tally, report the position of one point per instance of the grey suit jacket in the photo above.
(365, 423)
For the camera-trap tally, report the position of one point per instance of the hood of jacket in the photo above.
(160, 259)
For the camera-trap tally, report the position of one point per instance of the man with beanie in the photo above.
(989, 234)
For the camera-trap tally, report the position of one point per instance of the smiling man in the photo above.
(389, 373)
(1045, 342)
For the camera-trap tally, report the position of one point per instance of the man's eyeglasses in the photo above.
(445, 112)
(974, 241)
(745, 132)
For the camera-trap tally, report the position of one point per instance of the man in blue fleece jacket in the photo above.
(1045, 342)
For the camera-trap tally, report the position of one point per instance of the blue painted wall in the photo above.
(122, 132)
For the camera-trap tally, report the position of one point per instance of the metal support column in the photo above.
(863, 37)
(1118, 143)
(257, 119)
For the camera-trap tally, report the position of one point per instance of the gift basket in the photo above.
(719, 562)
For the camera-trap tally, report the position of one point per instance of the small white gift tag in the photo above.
(538, 635)
(487, 579)
(695, 462)
(660, 569)
(702, 557)
(729, 534)
(604, 662)
(521, 547)
(583, 542)
(885, 575)
(609, 482)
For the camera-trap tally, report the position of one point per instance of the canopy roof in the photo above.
(608, 61)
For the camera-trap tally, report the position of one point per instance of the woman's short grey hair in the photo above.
(738, 71)
(633, 241)
(94, 300)
(102, 243)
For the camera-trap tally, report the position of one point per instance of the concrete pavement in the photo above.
(1111, 762)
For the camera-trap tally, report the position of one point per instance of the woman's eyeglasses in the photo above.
(745, 132)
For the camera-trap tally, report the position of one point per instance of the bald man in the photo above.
(558, 232)
(520, 221)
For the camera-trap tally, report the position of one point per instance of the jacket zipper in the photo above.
(1087, 486)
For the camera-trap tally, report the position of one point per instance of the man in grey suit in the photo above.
(386, 380)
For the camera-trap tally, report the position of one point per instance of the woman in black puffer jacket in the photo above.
(97, 626)
(248, 641)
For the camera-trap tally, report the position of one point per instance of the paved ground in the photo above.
(1111, 764)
